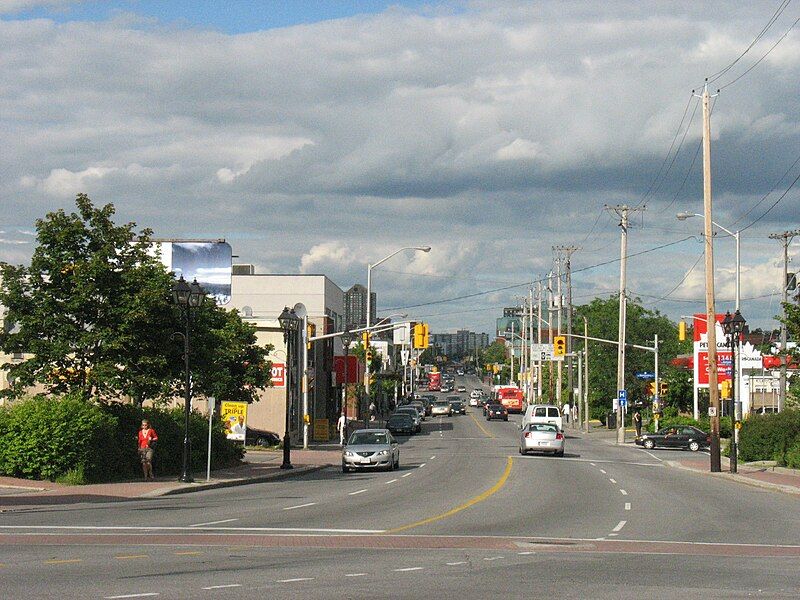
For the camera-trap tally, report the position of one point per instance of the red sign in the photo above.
(355, 370)
(724, 359)
(278, 375)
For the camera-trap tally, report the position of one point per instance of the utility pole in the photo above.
(550, 330)
(568, 252)
(785, 239)
(622, 211)
(539, 340)
(560, 303)
(586, 374)
(530, 344)
(711, 314)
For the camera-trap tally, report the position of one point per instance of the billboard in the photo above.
(210, 262)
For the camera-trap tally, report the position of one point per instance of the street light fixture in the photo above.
(733, 326)
(187, 296)
(369, 295)
(290, 323)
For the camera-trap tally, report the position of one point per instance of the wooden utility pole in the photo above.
(622, 211)
(539, 339)
(568, 251)
(550, 331)
(785, 239)
(560, 306)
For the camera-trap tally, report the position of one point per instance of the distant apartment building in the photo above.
(461, 343)
(355, 306)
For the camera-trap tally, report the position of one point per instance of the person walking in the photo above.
(146, 442)
(637, 423)
(341, 427)
(565, 412)
(372, 411)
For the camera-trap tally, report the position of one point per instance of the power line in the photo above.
(774, 204)
(541, 280)
(778, 11)
(772, 189)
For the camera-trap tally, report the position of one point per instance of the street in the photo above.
(465, 516)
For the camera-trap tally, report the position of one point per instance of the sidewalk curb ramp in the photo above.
(766, 485)
(190, 488)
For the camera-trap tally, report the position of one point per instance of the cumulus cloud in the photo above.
(492, 133)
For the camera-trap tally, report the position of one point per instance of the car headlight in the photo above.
(383, 453)
(348, 453)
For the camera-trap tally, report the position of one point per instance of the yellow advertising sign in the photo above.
(321, 430)
(234, 415)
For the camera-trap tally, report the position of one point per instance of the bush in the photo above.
(75, 441)
(793, 456)
(44, 438)
(672, 419)
(769, 437)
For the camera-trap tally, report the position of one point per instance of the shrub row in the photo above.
(73, 440)
(771, 437)
(671, 418)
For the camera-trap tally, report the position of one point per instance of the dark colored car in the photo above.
(678, 436)
(458, 407)
(401, 424)
(259, 437)
(496, 411)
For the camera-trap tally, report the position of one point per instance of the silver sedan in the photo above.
(371, 449)
(541, 437)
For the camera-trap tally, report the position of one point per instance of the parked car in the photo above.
(414, 413)
(461, 388)
(496, 411)
(541, 437)
(401, 424)
(420, 406)
(371, 449)
(682, 437)
(543, 413)
(441, 409)
(259, 437)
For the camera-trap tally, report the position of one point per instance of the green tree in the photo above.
(93, 312)
(641, 326)
(496, 352)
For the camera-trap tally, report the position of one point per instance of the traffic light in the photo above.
(311, 331)
(559, 345)
(726, 389)
(368, 355)
(421, 335)
(664, 388)
(651, 389)
(682, 330)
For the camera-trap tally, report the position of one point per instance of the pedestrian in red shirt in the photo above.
(147, 441)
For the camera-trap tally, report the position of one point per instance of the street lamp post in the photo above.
(733, 326)
(369, 297)
(290, 323)
(187, 296)
(347, 339)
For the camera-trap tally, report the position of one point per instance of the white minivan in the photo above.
(542, 413)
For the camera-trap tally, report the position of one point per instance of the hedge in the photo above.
(671, 418)
(73, 440)
(771, 437)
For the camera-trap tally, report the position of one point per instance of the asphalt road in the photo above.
(466, 516)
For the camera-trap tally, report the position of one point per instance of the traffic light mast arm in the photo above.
(604, 341)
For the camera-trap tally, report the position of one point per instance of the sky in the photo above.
(318, 137)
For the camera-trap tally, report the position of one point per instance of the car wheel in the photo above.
(560, 453)
(345, 469)
(397, 464)
(694, 446)
(506, 419)
(649, 444)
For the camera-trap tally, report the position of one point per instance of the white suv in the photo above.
(542, 413)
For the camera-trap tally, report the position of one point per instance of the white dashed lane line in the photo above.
(627, 506)
(422, 465)
(391, 481)
(406, 475)
(222, 587)
(623, 492)
(432, 457)
(603, 471)
(144, 595)
(357, 492)
(406, 569)
(300, 506)
(494, 557)
(613, 480)
(295, 580)
(355, 574)
(460, 562)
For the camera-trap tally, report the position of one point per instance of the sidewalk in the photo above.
(19, 494)
(767, 477)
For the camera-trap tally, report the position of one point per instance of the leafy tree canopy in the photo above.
(93, 315)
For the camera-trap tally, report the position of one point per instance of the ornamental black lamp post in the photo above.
(347, 339)
(733, 326)
(187, 296)
(290, 323)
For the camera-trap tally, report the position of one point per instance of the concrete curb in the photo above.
(765, 485)
(190, 488)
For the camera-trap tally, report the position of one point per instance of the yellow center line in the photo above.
(480, 498)
(130, 556)
(63, 561)
(188, 553)
(481, 427)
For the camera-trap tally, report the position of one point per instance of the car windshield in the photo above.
(401, 417)
(441, 404)
(542, 427)
(366, 438)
